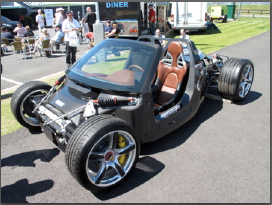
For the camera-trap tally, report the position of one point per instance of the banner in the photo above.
(49, 17)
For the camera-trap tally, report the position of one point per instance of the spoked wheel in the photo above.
(102, 152)
(22, 105)
(111, 158)
(235, 79)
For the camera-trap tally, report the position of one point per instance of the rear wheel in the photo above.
(102, 152)
(235, 79)
(22, 105)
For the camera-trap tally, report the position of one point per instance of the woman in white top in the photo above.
(40, 20)
(45, 35)
(68, 26)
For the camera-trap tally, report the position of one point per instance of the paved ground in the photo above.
(22, 70)
(221, 155)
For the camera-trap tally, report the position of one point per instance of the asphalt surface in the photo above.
(23, 70)
(221, 156)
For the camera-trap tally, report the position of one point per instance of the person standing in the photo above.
(90, 18)
(151, 19)
(22, 19)
(70, 25)
(84, 28)
(40, 20)
(20, 30)
(59, 16)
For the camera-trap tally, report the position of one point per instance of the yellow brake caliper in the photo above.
(121, 144)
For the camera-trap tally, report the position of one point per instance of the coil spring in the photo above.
(106, 101)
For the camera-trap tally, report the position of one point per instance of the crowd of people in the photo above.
(67, 25)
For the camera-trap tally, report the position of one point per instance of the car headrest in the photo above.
(173, 54)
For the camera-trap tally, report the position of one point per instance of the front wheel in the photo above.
(102, 152)
(235, 79)
(22, 105)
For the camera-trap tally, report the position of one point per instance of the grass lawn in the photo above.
(210, 41)
(230, 33)
(8, 122)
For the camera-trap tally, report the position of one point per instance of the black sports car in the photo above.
(11, 25)
(123, 93)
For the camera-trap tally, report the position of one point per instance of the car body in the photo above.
(11, 25)
(118, 96)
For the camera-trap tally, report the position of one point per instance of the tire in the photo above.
(21, 106)
(93, 161)
(235, 79)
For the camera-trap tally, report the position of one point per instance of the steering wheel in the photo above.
(135, 66)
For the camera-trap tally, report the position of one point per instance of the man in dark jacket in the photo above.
(90, 18)
(6, 34)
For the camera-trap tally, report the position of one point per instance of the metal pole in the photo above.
(97, 13)
(239, 12)
(83, 12)
(98, 27)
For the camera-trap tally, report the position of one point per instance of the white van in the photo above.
(188, 15)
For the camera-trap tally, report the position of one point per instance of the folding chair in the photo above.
(18, 46)
(30, 44)
(46, 47)
(61, 43)
(6, 43)
(17, 39)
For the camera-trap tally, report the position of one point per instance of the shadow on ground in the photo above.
(251, 97)
(17, 192)
(6, 96)
(26, 159)
(208, 108)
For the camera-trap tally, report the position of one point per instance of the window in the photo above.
(114, 65)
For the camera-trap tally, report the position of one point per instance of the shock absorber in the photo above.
(107, 101)
(104, 101)
(57, 83)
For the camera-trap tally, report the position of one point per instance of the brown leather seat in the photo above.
(123, 77)
(170, 73)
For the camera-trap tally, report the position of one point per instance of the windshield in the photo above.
(4, 19)
(115, 65)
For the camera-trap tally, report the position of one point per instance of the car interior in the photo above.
(170, 83)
